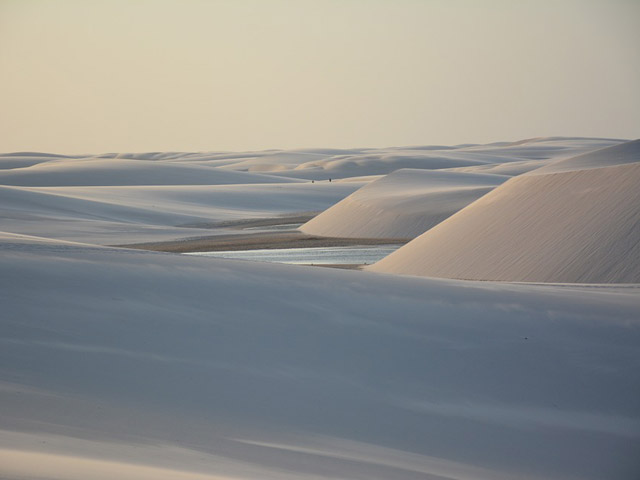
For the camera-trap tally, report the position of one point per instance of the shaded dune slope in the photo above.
(115, 358)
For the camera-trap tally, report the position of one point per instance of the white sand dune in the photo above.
(131, 198)
(118, 363)
(144, 195)
(510, 169)
(114, 215)
(322, 164)
(275, 162)
(403, 204)
(622, 154)
(387, 162)
(310, 164)
(408, 202)
(141, 365)
(81, 172)
(27, 159)
(28, 202)
(534, 153)
(546, 147)
(576, 226)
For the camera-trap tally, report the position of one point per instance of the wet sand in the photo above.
(258, 241)
(256, 222)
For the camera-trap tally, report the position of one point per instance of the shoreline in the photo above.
(257, 241)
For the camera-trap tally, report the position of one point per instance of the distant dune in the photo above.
(322, 164)
(581, 225)
(403, 204)
(622, 154)
(112, 172)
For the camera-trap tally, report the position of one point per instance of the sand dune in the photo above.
(310, 164)
(387, 162)
(157, 196)
(132, 214)
(576, 226)
(125, 172)
(475, 156)
(135, 364)
(65, 202)
(322, 164)
(622, 154)
(143, 365)
(546, 147)
(408, 202)
(403, 204)
(510, 169)
(26, 159)
(115, 198)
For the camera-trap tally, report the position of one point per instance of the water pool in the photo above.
(352, 255)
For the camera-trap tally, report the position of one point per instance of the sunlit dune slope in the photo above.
(579, 225)
(403, 204)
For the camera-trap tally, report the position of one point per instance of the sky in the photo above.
(87, 76)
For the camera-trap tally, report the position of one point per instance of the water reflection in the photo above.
(353, 255)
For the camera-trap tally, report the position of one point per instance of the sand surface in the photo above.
(135, 364)
(573, 226)
(404, 203)
(138, 364)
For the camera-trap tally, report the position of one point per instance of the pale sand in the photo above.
(405, 203)
(112, 172)
(571, 227)
(132, 364)
(121, 363)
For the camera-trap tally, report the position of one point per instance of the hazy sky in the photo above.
(132, 75)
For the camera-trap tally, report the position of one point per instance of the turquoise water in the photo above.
(354, 255)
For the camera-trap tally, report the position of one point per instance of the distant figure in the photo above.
(329, 180)
(311, 181)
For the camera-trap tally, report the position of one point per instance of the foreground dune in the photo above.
(580, 225)
(129, 364)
